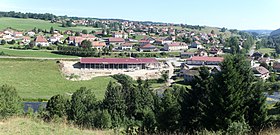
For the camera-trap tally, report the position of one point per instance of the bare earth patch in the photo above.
(72, 71)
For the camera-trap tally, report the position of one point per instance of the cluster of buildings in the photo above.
(24, 38)
(129, 36)
(189, 68)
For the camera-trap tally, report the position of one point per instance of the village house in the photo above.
(53, 39)
(189, 75)
(144, 41)
(78, 40)
(119, 63)
(130, 32)
(115, 41)
(186, 54)
(261, 72)
(201, 52)
(197, 45)
(147, 48)
(98, 44)
(26, 40)
(276, 67)
(257, 55)
(215, 51)
(198, 60)
(88, 36)
(163, 40)
(40, 40)
(8, 37)
(75, 40)
(18, 35)
(117, 35)
(264, 60)
(31, 33)
(175, 46)
(126, 46)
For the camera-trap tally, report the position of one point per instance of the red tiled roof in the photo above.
(40, 39)
(26, 38)
(111, 39)
(79, 39)
(118, 60)
(199, 58)
(148, 46)
(98, 43)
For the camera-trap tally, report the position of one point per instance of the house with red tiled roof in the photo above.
(75, 40)
(115, 41)
(98, 44)
(261, 72)
(199, 60)
(78, 40)
(18, 35)
(25, 40)
(147, 48)
(175, 46)
(88, 36)
(40, 40)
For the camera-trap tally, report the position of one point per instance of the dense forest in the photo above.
(230, 101)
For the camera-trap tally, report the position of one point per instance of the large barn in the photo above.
(119, 63)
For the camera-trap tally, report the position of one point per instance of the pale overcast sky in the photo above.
(239, 14)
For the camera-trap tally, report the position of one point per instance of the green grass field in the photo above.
(31, 126)
(266, 50)
(35, 79)
(29, 24)
(32, 53)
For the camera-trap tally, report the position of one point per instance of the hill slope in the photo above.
(275, 33)
(29, 24)
(43, 79)
(28, 126)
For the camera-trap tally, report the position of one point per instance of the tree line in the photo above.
(45, 16)
(228, 101)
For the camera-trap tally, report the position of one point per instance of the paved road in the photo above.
(252, 50)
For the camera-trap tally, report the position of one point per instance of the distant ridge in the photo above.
(275, 33)
(263, 32)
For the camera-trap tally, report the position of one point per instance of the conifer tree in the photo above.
(229, 94)
(170, 113)
(114, 102)
(195, 102)
(257, 111)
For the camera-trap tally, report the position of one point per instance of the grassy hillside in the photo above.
(32, 53)
(35, 79)
(28, 126)
(29, 24)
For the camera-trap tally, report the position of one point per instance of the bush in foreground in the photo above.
(10, 102)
